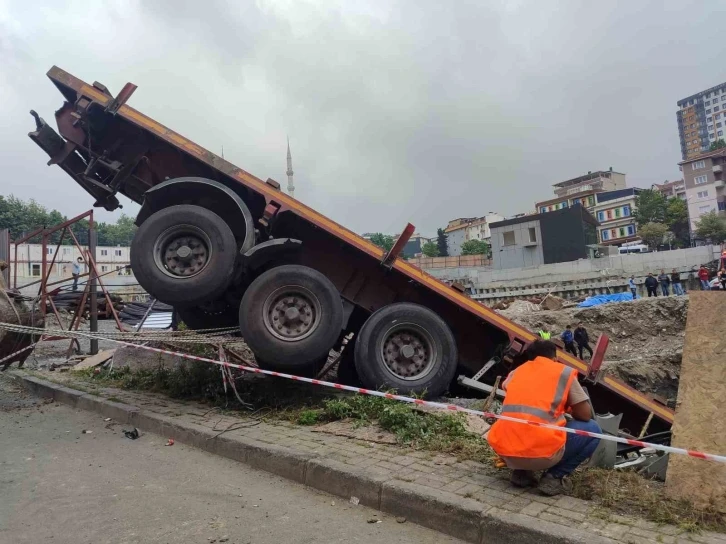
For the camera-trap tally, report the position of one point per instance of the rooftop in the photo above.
(587, 177)
(577, 208)
(694, 96)
(718, 153)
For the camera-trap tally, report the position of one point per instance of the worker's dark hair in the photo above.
(541, 348)
(568, 326)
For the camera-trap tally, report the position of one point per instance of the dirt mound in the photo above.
(646, 337)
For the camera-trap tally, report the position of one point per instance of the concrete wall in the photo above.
(577, 278)
(518, 255)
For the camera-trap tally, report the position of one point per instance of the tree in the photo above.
(475, 247)
(430, 249)
(653, 234)
(650, 207)
(711, 227)
(676, 218)
(718, 144)
(442, 242)
(384, 241)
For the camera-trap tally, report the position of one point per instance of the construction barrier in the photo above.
(363, 391)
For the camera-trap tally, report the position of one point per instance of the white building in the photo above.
(112, 261)
(464, 229)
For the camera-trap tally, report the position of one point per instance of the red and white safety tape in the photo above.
(23, 350)
(411, 400)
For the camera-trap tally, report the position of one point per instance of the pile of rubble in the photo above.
(646, 337)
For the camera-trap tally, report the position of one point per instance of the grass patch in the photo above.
(629, 493)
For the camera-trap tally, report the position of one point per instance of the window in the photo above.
(35, 270)
(719, 125)
(117, 252)
(610, 214)
(699, 180)
(66, 250)
(605, 235)
(50, 251)
(716, 108)
(104, 252)
(626, 211)
(707, 103)
(710, 127)
(722, 205)
(617, 212)
(702, 194)
(720, 132)
(711, 135)
(717, 116)
(600, 216)
(631, 230)
(508, 238)
(543, 209)
(698, 165)
(590, 200)
(708, 111)
(532, 234)
(104, 268)
(119, 270)
(614, 233)
(704, 209)
(622, 231)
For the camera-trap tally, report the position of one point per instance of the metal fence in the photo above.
(5, 254)
(450, 262)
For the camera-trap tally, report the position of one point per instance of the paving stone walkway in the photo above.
(436, 471)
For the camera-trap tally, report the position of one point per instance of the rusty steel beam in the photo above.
(390, 257)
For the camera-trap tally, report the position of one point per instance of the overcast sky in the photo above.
(397, 111)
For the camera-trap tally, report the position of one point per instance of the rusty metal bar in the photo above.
(390, 257)
(598, 356)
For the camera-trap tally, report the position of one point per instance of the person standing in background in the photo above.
(76, 273)
(651, 284)
(703, 277)
(665, 281)
(569, 340)
(582, 339)
(633, 288)
(676, 282)
(722, 278)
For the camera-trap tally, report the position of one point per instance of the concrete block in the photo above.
(345, 481)
(66, 395)
(36, 386)
(115, 410)
(284, 462)
(438, 510)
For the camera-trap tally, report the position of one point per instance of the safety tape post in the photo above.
(401, 398)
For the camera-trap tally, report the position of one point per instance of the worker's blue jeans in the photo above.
(577, 449)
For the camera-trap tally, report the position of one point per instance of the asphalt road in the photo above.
(61, 485)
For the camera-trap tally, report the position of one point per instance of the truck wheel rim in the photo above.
(291, 313)
(408, 351)
(182, 251)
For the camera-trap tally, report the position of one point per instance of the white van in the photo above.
(638, 248)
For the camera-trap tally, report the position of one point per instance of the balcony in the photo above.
(717, 168)
(719, 183)
(587, 186)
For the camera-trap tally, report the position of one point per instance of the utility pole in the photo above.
(92, 284)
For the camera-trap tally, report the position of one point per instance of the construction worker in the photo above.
(543, 390)
(544, 335)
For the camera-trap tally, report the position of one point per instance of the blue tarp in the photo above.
(604, 299)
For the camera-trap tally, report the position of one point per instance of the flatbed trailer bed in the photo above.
(109, 147)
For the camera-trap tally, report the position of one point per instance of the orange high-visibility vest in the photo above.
(536, 391)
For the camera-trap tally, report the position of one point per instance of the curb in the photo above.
(448, 513)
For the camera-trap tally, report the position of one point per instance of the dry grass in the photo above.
(632, 494)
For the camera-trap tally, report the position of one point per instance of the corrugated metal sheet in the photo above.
(161, 320)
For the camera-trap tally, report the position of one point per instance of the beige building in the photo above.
(582, 190)
(671, 189)
(704, 184)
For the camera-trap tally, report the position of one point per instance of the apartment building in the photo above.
(671, 189)
(582, 190)
(701, 119)
(463, 229)
(614, 213)
(704, 181)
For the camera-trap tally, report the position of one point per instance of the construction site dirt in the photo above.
(646, 337)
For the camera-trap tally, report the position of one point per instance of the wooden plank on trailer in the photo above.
(95, 360)
(699, 421)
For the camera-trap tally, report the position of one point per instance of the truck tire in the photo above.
(183, 255)
(290, 317)
(408, 348)
(201, 317)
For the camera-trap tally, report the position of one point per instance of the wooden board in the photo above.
(700, 422)
(95, 360)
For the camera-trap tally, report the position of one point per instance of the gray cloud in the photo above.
(415, 111)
